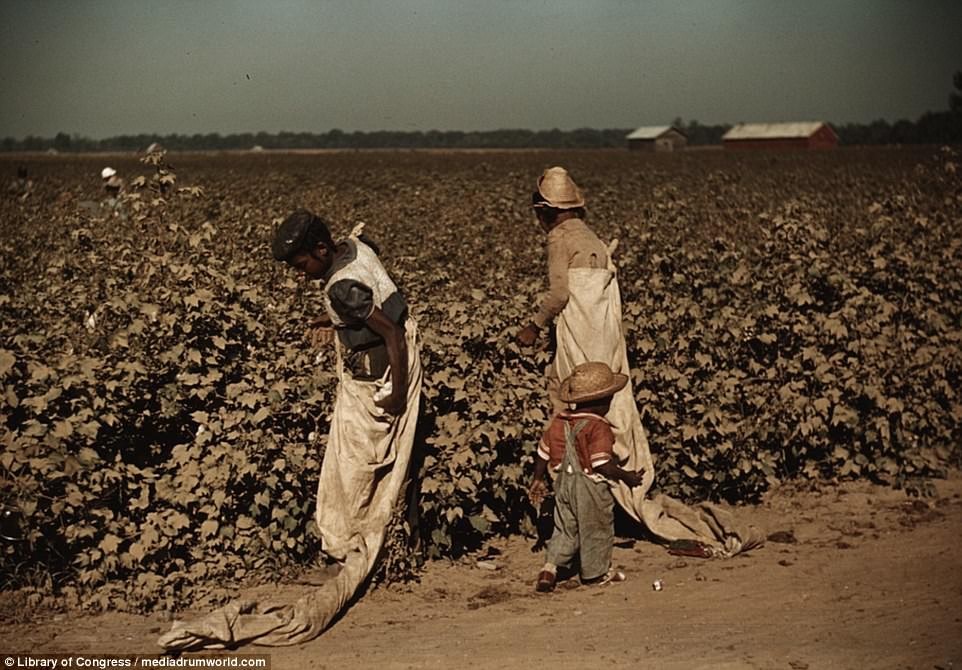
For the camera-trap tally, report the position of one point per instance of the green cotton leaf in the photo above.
(441, 537)
(109, 544)
(63, 429)
(38, 372)
(119, 339)
(844, 415)
(251, 399)
(10, 396)
(150, 310)
(188, 378)
(7, 361)
(261, 414)
(137, 551)
(836, 328)
(479, 523)
(89, 429)
(87, 456)
(667, 418)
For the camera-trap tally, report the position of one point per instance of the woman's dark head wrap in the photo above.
(300, 232)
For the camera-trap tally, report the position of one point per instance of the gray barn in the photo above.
(656, 138)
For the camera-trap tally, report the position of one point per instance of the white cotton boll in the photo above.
(90, 322)
(383, 392)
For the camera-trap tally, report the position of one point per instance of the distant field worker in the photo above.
(584, 300)
(578, 447)
(22, 186)
(113, 182)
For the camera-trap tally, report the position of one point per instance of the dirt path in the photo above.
(873, 581)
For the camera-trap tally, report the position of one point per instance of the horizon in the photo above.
(685, 125)
(108, 68)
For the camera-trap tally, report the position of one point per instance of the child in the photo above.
(577, 446)
(584, 301)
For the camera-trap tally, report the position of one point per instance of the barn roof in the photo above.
(650, 132)
(771, 131)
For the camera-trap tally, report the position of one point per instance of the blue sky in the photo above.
(106, 67)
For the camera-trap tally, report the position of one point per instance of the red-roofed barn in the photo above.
(802, 135)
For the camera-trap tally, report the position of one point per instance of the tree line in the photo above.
(332, 139)
(944, 127)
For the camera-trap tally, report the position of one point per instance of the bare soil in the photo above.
(861, 577)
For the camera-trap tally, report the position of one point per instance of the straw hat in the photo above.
(107, 173)
(591, 381)
(559, 190)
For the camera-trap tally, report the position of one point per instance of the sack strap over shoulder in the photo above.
(571, 434)
(570, 461)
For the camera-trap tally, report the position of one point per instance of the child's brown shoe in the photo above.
(546, 581)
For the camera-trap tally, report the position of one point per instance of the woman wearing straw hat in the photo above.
(584, 299)
(559, 207)
(578, 448)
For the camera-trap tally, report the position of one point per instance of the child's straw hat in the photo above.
(559, 190)
(591, 381)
